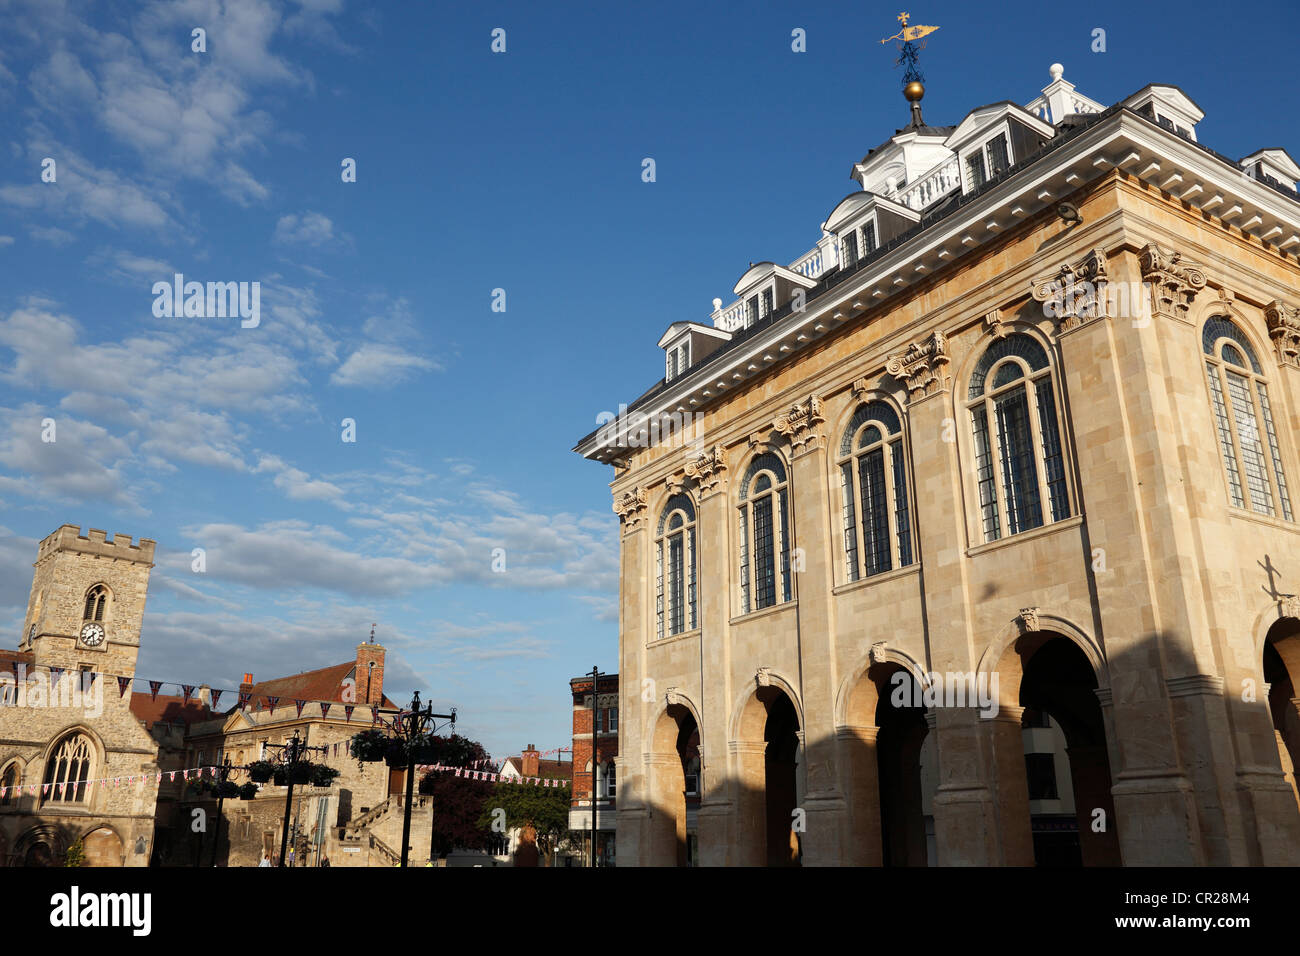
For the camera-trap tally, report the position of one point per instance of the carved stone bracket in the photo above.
(1077, 293)
(921, 366)
(1028, 620)
(709, 470)
(1173, 280)
(763, 677)
(675, 483)
(1289, 606)
(631, 509)
(878, 652)
(1284, 329)
(673, 696)
(799, 426)
(994, 325)
(859, 389)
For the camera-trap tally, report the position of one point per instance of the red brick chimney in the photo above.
(531, 762)
(246, 685)
(370, 680)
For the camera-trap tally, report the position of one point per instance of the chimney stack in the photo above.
(531, 762)
(370, 680)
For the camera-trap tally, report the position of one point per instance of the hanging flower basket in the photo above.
(301, 773)
(227, 789)
(198, 788)
(248, 791)
(369, 746)
(425, 751)
(323, 776)
(397, 755)
(260, 771)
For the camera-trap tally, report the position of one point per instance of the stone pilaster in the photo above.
(634, 794)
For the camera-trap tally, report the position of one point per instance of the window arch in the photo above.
(11, 780)
(68, 770)
(1019, 463)
(675, 567)
(764, 535)
(873, 477)
(96, 603)
(1240, 400)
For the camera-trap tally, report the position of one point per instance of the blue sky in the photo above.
(475, 171)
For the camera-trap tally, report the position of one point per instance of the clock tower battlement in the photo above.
(87, 601)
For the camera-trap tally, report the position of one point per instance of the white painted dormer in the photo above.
(686, 344)
(992, 139)
(1168, 106)
(908, 155)
(766, 287)
(1275, 164)
(1060, 99)
(863, 222)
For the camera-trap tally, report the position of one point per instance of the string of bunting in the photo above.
(494, 777)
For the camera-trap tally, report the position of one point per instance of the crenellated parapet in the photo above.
(97, 543)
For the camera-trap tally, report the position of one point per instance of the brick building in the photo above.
(521, 845)
(595, 749)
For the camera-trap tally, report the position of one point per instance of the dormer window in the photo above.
(679, 360)
(989, 160)
(758, 306)
(852, 248)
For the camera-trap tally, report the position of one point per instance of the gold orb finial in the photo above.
(914, 91)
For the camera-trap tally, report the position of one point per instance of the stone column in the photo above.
(1005, 741)
(860, 782)
(748, 837)
(632, 814)
(1090, 773)
(803, 427)
(715, 821)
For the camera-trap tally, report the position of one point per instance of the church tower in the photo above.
(87, 601)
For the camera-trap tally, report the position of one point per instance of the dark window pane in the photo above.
(764, 556)
(1040, 771)
(875, 512)
(1019, 472)
(900, 506)
(998, 161)
(676, 584)
(984, 474)
(1053, 465)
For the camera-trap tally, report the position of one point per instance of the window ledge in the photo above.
(913, 568)
(1056, 527)
(673, 638)
(1272, 522)
(765, 612)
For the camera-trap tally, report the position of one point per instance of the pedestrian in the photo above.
(266, 860)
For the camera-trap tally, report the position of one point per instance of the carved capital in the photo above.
(709, 470)
(800, 426)
(1289, 606)
(631, 509)
(1028, 620)
(878, 652)
(1284, 329)
(921, 366)
(673, 697)
(1172, 279)
(1077, 293)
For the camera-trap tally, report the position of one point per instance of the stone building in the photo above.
(1010, 449)
(68, 742)
(595, 750)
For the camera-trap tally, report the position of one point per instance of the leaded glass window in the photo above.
(765, 577)
(675, 567)
(877, 514)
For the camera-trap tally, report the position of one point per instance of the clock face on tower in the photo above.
(92, 635)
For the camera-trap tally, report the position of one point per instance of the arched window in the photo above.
(1240, 399)
(608, 780)
(675, 567)
(10, 781)
(1018, 459)
(96, 601)
(764, 535)
(68, 770)
(873, 476)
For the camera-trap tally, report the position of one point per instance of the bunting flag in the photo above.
(347, 712)
(273, 701)
(122, 684)
(299, 704)
(324, 709)
(154, 687)
(186, 691)
(216, 696)
(243, 700)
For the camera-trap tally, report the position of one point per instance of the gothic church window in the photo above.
(68, 770)
(96, 602)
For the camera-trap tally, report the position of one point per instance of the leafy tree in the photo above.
(543, 809)
(76, 855)
(457, 801)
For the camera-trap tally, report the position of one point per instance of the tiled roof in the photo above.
(18, 657)
(325, 683)
(546, 769)
(168, 709)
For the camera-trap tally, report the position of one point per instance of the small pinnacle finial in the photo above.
(372, 633)
(1056, 70)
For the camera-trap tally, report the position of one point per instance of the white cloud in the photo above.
(310, 228)
(376, 364)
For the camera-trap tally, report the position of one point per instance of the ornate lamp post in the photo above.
(291, 754)
(411, 727)
(595, 712)
(223, 773)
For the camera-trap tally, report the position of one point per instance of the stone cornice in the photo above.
(800, 426)
(1284, 329)
(921, 366)
(1076, 293)
(1173, 280)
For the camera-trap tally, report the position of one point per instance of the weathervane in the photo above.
(908, 51)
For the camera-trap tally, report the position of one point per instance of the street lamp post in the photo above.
(412, 726)
(291, 754)
(222, 775)
(595, 681)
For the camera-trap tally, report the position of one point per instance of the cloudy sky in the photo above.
(476, 171)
